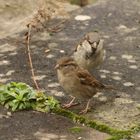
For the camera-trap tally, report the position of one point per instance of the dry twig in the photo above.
(37, 22)
(28, 34)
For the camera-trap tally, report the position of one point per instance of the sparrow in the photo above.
(77, 82)
(90, 52)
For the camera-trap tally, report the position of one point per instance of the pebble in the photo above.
(13, 53)
(105, 71)
(9, 114)
(103, 76)
(47, 50)
(132, 61)
(10, 72)
(103, 99)
(122, 27)
(109, 14)
(126, 56)
(82, 17)
(5, 62)
(116, 78)
(62, 51)
(112, 57)
(133, 67)
(51, 85)
(128, 84)
(79, 138)
(50, 56)
(116, 73)
(106, 36)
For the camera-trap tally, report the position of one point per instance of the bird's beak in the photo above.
(56, 66)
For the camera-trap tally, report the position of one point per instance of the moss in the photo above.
(82, 2)
(115, 138)
(107, 129)
(135, 129)
(75, 129)
(69, 114)
(117, 134)
(114, 132)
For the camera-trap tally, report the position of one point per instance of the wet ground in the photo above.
(119, 24)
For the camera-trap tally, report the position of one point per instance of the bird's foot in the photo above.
(69, 105)
(84, 111)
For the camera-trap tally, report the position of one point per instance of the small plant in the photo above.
(45, 103)
(20, 96)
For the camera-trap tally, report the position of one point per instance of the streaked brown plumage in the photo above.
(77, 81)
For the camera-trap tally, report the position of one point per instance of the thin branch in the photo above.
(28, 34)
(36, 23)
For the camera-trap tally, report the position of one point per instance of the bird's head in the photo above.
(65, 64)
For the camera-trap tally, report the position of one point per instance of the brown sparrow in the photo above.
(90, 52)
(77, 81)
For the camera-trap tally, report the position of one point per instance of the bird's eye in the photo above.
(65, 65)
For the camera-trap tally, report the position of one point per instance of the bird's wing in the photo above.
(87, 79)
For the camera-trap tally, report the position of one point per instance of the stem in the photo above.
(29, 56)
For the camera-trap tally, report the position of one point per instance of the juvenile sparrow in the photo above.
(77, 81)
(90, 52)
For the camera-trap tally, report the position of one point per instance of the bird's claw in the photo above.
(84, 111)
(69, 105)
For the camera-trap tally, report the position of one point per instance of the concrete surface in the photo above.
(119, 23)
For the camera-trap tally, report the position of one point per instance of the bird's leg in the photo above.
(68, 105)
(84, 111)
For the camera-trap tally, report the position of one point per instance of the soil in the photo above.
(119, 24)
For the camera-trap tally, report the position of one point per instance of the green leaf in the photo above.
(21, 106)
(20, 96)
(27, 105)
(13, 94)
(15, 106)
